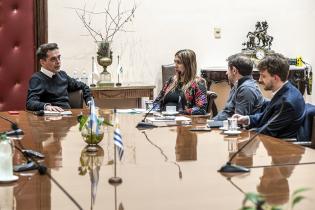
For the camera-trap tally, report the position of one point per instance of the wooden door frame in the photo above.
(40, 26)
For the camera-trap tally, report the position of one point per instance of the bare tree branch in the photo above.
(112, 23)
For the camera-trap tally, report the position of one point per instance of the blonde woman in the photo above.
(185, 89)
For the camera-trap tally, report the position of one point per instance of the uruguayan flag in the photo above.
(118, 142)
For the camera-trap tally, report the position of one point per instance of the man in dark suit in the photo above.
(274, 70)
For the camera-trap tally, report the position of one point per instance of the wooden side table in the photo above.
(128, 96)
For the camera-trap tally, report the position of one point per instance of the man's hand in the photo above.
(243, 120)
(53, 108)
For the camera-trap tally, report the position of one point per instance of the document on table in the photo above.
(55, 113)
(168, 120)
(131, 111)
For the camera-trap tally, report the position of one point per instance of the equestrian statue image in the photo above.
(259, 42)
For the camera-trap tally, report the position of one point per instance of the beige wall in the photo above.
(165, 26)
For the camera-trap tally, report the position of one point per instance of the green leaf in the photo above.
(83, 120)
(247, 208)
(297, 199)
(299, 191)
(105, 122)
(253, 197)
(276, 208)
(79, 117)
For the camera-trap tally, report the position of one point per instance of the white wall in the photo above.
(164, 26)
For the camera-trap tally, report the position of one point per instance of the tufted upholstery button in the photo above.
(16, 46)
(15, 9)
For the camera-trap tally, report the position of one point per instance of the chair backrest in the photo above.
(76, 99)
(212, 107)
(313, 134)
(167, 72)
(305, 132)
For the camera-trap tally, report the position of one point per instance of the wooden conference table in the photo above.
(163, 168)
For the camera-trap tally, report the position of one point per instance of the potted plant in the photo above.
(115, 21)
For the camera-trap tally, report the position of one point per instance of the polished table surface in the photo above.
(162, 168)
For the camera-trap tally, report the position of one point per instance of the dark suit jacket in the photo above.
(291, 118)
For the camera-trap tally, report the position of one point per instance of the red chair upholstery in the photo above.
(17, 51)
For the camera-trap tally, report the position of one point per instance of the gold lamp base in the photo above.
(105, 84)
(105, 79)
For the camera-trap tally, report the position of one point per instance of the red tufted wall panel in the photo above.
(17, 51)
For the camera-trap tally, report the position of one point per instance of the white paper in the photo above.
(131, 111)
(55, 113)
(177, 118)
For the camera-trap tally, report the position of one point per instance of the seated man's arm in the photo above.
(35, 90)
(229, 108)
(280, 124)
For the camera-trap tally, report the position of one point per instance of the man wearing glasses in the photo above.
(50, 87)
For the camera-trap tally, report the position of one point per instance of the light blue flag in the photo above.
(93, 118)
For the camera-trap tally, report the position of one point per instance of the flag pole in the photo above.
(115, 197)
(92, 189)
(92, 85)
(115, 160)
(115, 180)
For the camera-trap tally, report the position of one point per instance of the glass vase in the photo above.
(92, 135)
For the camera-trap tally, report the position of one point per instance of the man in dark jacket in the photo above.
(286, 100)
(245, 97)
(50, 87)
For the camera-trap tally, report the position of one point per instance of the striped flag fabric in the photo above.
(118, 142)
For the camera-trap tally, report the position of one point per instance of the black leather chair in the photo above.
(306, 133)
(76, 99)
(167, 72)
